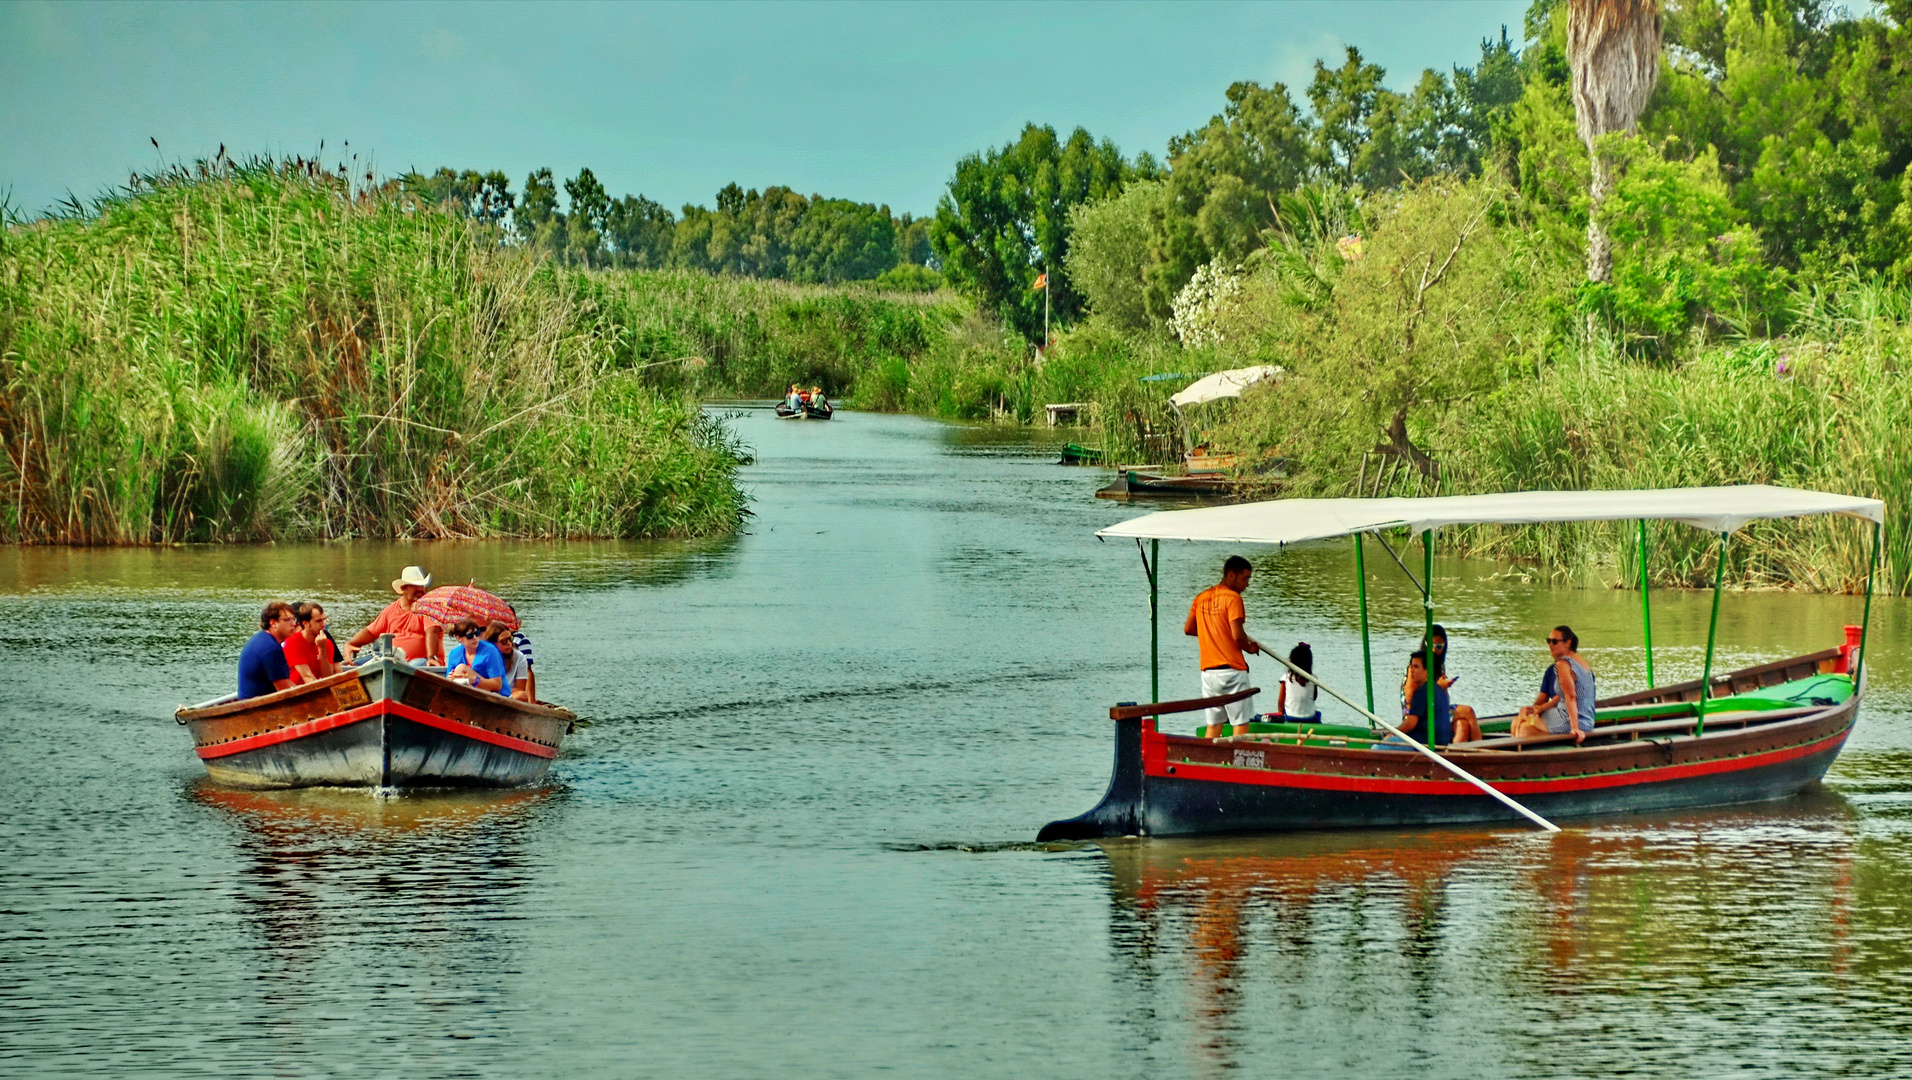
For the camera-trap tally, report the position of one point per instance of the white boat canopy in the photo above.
(1291, 521)
(1222, 384)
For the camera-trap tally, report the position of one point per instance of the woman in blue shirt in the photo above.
(476, 659)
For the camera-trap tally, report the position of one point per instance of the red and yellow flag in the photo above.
(1042, 282)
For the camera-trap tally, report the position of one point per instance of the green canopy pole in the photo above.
(1646, 607)
(1427, 588)
(1428, 733)
(1865, 623)
(1155, 623)
(1712, 631)
(1361, 588)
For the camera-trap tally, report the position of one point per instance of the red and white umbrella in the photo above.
(449, 603)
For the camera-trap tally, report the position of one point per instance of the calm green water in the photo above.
(793, 840)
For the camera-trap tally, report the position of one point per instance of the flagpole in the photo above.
(1045, 313)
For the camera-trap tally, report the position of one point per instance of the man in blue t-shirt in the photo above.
(262, 666)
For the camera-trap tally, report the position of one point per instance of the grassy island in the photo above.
(258, 351)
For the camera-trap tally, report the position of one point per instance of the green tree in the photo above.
(1005, 219)
(538, 222)
(1223, 181)
(1109, 250)
(640, 231)
(483, 197)
(588, 220)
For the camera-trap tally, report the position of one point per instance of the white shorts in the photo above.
(1228, 680)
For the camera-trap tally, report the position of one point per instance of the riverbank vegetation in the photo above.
(258, 350)
(1699, 274)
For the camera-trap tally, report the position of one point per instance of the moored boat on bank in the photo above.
(381, 724)
(1764, 732)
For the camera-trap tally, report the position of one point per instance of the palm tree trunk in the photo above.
(1599, 246)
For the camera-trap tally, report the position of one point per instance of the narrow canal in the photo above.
(793, 839)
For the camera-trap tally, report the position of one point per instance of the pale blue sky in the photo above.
(871, 101)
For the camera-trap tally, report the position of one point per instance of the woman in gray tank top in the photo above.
(1565, 701)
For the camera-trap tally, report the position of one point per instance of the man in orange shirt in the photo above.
(414, 634)
(1215, 620)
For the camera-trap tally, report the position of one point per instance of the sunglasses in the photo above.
(469, 634)
(1556, 641)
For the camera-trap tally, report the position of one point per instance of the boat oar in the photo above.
(1425, 750)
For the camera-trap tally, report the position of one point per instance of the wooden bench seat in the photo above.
(1611, 732)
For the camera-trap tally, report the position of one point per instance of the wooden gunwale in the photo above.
(278, 697)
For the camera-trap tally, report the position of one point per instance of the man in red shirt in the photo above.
(412, 632)
(1216, 620)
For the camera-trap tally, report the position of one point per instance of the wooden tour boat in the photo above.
(382, 724)
(1761, 733)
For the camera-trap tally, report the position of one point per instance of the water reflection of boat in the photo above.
(1757, 734)
(383, 724)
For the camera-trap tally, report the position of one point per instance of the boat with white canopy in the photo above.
(1750, 735)
(1203, 473)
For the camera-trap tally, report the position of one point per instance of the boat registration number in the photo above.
(346, 695)
(1251, 759)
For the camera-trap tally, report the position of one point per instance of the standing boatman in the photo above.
(1216, 620)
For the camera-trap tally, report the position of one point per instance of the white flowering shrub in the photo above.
(1197, 309)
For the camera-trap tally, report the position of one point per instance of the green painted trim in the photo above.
(1712, 632)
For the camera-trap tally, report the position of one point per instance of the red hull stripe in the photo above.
(472, 731)
(367, 712)
(1320, 782)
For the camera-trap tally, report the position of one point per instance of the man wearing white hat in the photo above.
(413, 633)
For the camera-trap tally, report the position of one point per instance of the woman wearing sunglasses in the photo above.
(1565, 701)
(475, 660)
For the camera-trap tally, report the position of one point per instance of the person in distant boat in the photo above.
(413, 633)
(818, 402)
(262, 666)
(1297, 700)
(475, 660)
(308, 652)
(1216, 620)
(517, 665)
(795, 398)
(1565, 701)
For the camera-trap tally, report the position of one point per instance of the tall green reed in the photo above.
(242, 351)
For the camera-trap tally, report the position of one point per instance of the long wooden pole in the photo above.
(1646, 607)
(1712, 632)
(1367, 649)
(1424, 750)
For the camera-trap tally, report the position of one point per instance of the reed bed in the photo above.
(1825, 408)
(250, 351)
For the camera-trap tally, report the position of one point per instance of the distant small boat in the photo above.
(1078, 454)
(808, 412)
(382, 724)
